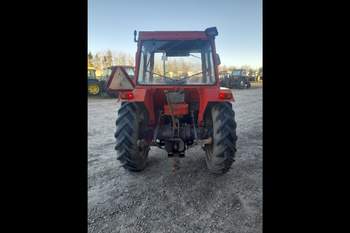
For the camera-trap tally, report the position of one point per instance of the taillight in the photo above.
(126, 95)
(225, 95)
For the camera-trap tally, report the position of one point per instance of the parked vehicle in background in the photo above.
(106, 72)
(237, 79)
(94, 87)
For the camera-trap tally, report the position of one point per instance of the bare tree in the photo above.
(109, 58)
(90, 59)
(97, 61)
(246, 67)
(130, 60)
(104, 62)
(120, 58)
(223, 68)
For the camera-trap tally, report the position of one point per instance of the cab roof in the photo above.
(173, 35)
(177, 35)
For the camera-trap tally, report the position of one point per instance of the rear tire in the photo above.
(220, 154)
(94, 89)
(242, 84)
(130, 123)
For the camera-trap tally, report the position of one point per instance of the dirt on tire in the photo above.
(191, 199)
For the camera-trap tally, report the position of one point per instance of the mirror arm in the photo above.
(135, 34)
(218, 61)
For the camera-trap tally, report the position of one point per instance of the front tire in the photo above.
(131, 152)
(221, 152)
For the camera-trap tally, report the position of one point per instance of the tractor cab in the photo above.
(177, 59)
(91, 73)
(239, 73)
(176, 62)
(240, 79)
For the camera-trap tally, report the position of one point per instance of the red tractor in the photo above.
(174, 101)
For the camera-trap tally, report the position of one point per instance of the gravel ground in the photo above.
(189, 200)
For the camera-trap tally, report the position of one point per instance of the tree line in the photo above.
(101, 60)
(104, 59)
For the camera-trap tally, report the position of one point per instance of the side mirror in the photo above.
(135, 34)
(218, 61)
(213, 31)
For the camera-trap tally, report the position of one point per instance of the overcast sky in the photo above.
(111, 24)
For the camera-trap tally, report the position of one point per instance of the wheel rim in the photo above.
(94, 89)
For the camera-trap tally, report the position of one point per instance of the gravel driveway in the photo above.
(189, 200)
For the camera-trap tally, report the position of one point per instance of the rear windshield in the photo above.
(176, 62)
